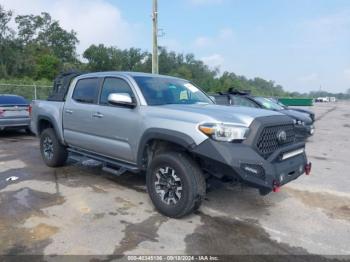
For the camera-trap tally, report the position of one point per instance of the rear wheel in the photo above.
(175, 184)
(53, 152)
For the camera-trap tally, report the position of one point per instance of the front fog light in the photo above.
(253, 170)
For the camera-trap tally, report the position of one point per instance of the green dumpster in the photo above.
(296, 101)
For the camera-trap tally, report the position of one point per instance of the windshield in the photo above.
(268, 104)
(164, 91)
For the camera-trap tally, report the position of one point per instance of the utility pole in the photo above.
(155, 66)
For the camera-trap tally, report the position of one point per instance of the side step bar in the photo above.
(112, 166)
(116, 172)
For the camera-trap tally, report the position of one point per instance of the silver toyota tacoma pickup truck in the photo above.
(170, 130)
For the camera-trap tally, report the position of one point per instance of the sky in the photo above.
(304, 45)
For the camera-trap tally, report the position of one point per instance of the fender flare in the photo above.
(175, 137)
(52, 122)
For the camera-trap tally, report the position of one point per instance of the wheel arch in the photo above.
(161, 139)
(45, 122)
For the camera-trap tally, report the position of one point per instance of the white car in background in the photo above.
(322, 99)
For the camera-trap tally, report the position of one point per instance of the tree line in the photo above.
(39, 48)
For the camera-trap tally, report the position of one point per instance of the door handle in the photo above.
(98, 115)
(69, 111)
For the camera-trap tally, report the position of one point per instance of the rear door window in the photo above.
(86, 90)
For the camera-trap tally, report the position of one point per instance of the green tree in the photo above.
(42, 30)
(39, 42)
(5, 31)
(61, 42)
(48, 66)
(6, 35)
(99, 58)
(102, 58)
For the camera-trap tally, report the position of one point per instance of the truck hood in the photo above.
(220, 113)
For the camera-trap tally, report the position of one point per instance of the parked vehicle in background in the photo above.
(169, 129)
(322, 99)
(303, 120)
(14, 112)
(302, 110)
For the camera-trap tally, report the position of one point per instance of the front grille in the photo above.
(268, 141)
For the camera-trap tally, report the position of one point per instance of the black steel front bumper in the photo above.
(250, 163)
(244, 163)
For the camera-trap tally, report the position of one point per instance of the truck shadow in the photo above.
(14, 135)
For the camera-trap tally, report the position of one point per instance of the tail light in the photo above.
(30, 110)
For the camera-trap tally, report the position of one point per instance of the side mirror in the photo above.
(213, 98)
(121, 99)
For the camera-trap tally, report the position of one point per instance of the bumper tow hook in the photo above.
(276, 187)
(308, 169)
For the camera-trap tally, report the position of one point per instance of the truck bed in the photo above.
(47, 110)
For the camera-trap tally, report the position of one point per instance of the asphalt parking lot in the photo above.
(80, 209)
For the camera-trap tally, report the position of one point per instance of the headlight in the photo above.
(224, 132)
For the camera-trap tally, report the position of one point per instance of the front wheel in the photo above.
(52, 151)
(175, 184)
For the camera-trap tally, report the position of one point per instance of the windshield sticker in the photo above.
(191, 87)
(184, 95)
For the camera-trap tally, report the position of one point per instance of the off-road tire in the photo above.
(59, 152)
(192, 179)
